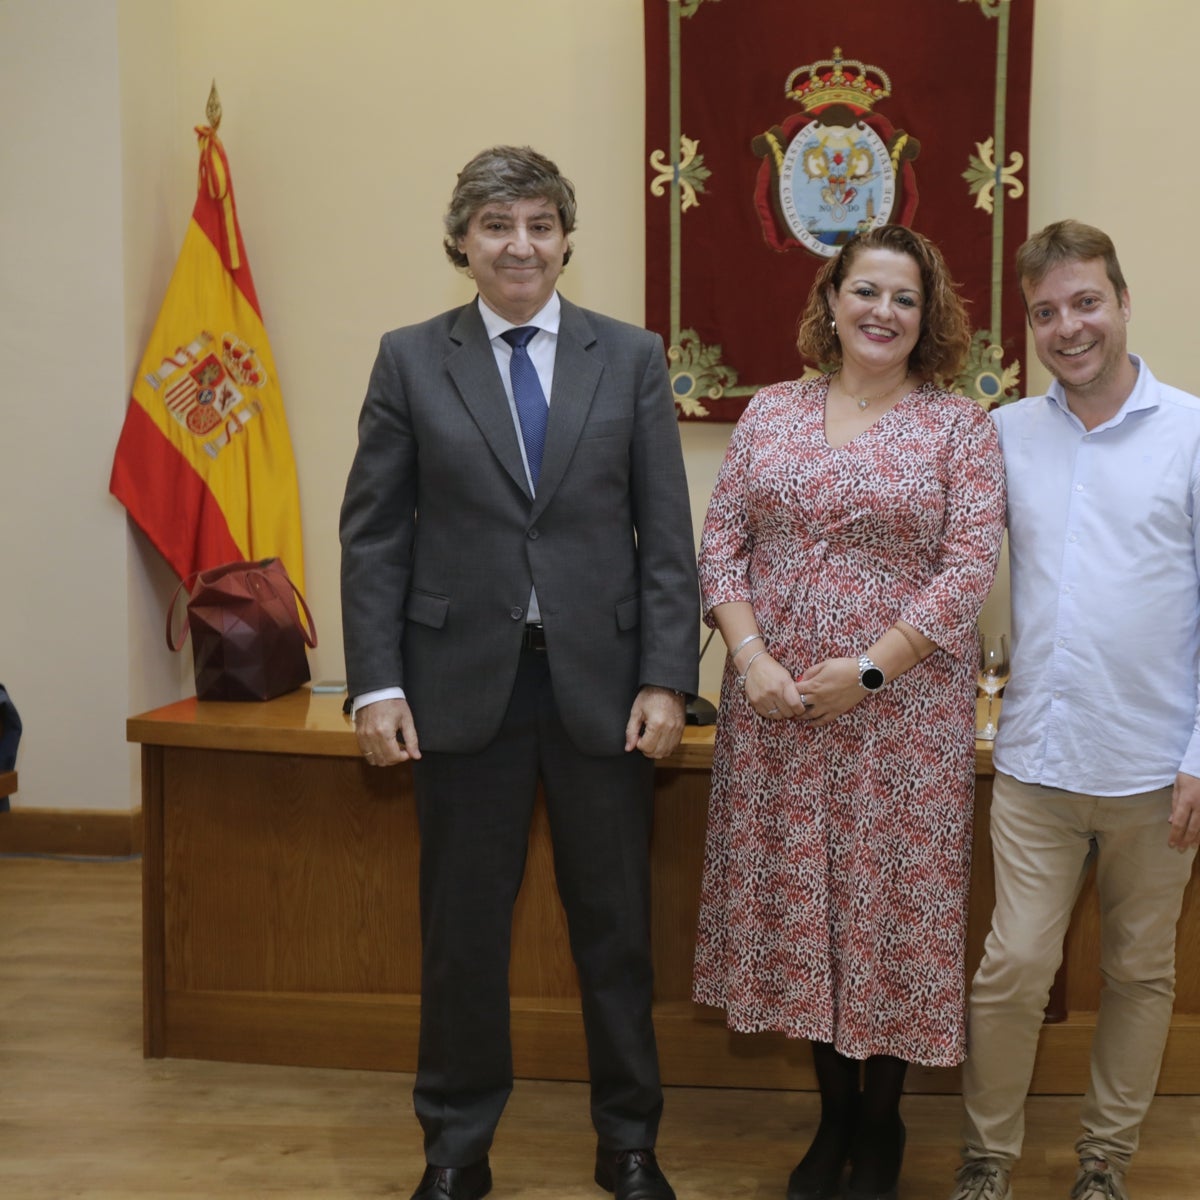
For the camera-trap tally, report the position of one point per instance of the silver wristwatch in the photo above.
(870, 676)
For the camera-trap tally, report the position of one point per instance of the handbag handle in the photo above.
(175, 642)
(172, 643)
(310, 634)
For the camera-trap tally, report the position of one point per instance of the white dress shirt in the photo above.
(1104, 543)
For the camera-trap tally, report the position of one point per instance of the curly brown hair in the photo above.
(945, 336)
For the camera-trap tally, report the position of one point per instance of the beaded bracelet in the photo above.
(742, 677)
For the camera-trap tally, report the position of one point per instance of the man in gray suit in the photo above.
(520, 604)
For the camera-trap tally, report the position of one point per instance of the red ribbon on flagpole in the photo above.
(214, 179)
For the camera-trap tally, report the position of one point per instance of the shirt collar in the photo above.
(546, 318)
(1144, 395)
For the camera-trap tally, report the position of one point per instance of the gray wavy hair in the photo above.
(506, 174)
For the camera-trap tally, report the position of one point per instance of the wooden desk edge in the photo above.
(307, 724)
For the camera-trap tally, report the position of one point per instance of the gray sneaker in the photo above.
(981, 1179)
(1098, 1181)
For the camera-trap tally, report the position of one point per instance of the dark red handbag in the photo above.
(248, 642)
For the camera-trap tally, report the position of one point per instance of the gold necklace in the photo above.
(863, 401)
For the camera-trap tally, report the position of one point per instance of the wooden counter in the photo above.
(280, 914)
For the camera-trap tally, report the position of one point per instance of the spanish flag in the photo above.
(204, 463)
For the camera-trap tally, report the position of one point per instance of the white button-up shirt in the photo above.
(1104, 544)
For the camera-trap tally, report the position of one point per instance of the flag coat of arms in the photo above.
(204, 464)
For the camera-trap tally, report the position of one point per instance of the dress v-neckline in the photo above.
(862, 432)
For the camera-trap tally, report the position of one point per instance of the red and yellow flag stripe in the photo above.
(204, 464)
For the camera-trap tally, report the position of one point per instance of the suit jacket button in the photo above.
(516, 613)
(534, 534)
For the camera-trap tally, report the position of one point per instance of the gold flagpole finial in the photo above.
(212, 109)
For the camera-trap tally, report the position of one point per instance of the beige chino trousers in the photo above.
(1043, 840)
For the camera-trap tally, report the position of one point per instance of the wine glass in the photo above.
(993, 675)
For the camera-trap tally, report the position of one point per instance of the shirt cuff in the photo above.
(1191, 758)
(392, 693)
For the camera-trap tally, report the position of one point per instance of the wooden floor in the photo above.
(82, 1114)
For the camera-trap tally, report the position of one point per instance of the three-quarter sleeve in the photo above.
(947, 608)
(727, 540)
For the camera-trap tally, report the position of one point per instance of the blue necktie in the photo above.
(532, 410)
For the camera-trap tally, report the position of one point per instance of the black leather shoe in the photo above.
(455, 1183)
(632, 1175)
(818, 1175)
(857, 1191)
(828, 1188)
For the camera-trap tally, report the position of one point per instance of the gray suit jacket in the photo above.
(441, 539)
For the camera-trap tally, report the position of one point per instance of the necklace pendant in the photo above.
(863, 403)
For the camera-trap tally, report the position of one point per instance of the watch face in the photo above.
(872, 679)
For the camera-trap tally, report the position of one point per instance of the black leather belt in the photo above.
(534, 638)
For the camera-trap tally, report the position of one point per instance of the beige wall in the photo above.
(345, 125)
(64, 648)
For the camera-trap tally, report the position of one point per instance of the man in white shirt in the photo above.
(1098, 754)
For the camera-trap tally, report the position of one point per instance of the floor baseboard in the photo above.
(99, 833)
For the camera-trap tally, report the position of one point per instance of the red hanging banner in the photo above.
(775, 130)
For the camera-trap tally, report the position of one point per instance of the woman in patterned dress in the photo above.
(850, 543)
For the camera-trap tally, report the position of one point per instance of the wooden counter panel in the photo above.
(360, 1032)
(676, 864)
(310, 862)
(695, 1049)
(280, 914)
(313, 862)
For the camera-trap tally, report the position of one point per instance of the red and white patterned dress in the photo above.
(837, 862)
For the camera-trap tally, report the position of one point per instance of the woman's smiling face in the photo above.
(878, 310)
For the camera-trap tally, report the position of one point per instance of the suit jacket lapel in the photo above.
(472, 367)
(577, 372)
